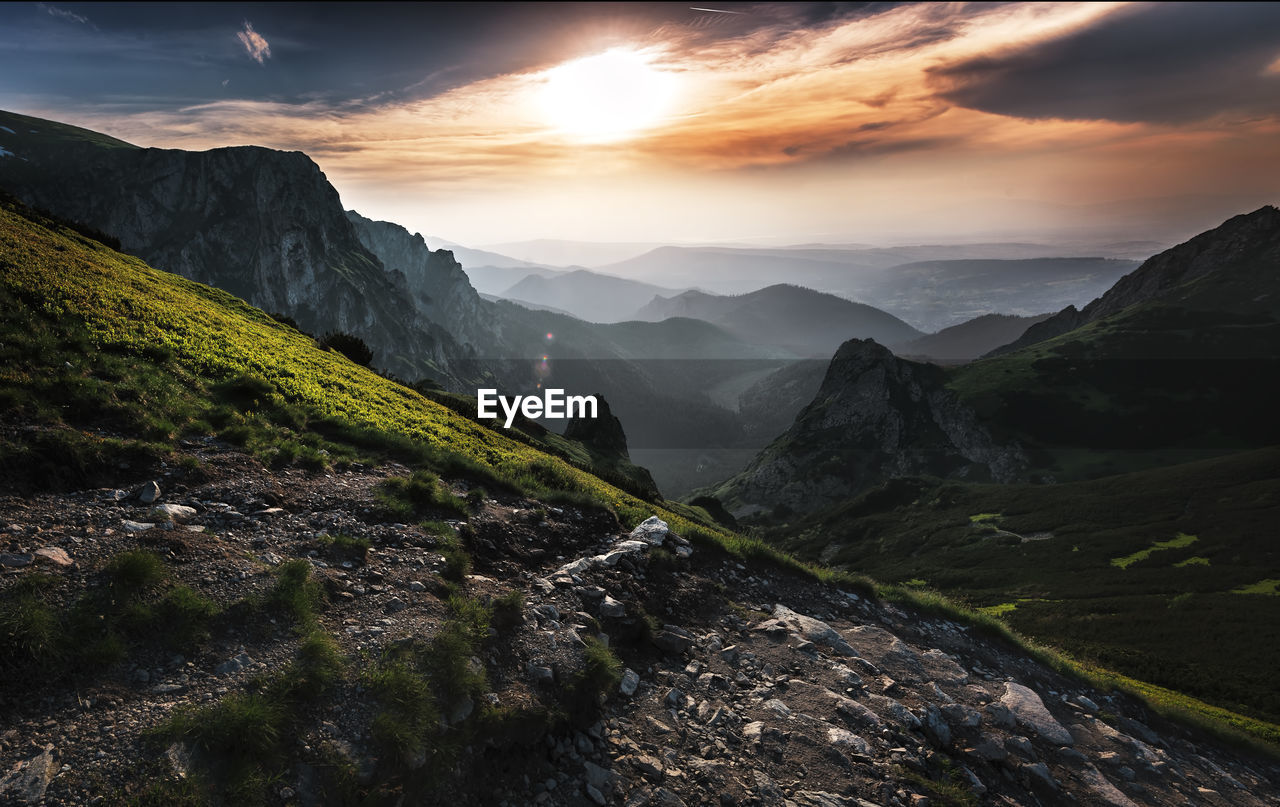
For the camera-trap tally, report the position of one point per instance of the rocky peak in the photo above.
(262, 224)
(875, 417)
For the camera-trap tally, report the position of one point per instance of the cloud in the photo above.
(62, 13)
(254, 43)
(1158, 63)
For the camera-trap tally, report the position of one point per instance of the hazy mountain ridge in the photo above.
(970, 339)
(809, 323)
(588, 295)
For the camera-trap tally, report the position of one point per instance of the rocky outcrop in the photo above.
(264, 225)
(875, 417)
(441, 290)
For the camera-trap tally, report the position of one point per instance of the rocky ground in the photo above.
(743, 685)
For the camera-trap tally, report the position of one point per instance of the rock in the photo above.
(778, 707)
(233, 665)
(54, 555)
(630, 680)
(136, 526)
(817, 798)
(856, 712)
(652, 530)
(1020, 746)
(461, 710)
(894, 710)
(1106, 791)
(417, 586)
(611, 608)
(936, 726)
(595, 795)
(172, 512)
(149, 492)
(598, 777)
(540, 674)
(999, 716)
(395, 605)
(989, 750)
(753, 731)
(27, 781)
(16, 560)
(1029, 710)
(669, 641)
(648, 767)
(961, 716)
(815, 630)
(1039, 772)
(843, 738)
(664, 797)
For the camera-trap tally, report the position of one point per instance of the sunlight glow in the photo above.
(608, 96)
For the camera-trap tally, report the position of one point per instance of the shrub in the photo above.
(134, 572)
(353, 347)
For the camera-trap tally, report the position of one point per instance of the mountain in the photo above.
(262, 224)
(931, 287)
(1164, 367)
(553, 252)
(1227, 268)
(968, 340)
(242, 570)
(939, 294)
(875, 416)
(806, 322)
(587, 295)
(493, 280)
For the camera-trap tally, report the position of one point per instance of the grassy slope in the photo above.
(91, 337)
(1114, 584)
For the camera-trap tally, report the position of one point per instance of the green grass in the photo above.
(295, 593)
(1192, 561)
(1182, 541)
(1269, 587)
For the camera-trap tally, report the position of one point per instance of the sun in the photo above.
(609, 96)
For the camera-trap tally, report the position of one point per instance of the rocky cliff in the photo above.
(874, 417)
(264, 225)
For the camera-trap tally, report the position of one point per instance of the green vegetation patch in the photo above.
(1182, 541)
(1270, 586)
(1192, 561)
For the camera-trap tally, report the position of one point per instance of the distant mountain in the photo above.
(968, 340)
(587, 295)
(875, 416)
(939, 294)
(264, 225)
(494, 280)
(808, 323)
(954, 284)
(591, 254)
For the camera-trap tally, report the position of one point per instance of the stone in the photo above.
(843, 738)
(1020, 746)
(778, 707)
(149, 492)
(611, 608)
(630, 680)
(1039, 772)
(540, 674)
(395, 605)
(27, 782)
(172, 512)
(671, 642)
(989, 750)
(136, 526)
(856, 712)
(648, 767)
(652, 530)
(54, 555)
(1106, 791)
(936, 726)
(595, 795)
(1030, 711)
(16, 560)
(598, 777)
(815, 630)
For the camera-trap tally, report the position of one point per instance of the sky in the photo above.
(749, 123)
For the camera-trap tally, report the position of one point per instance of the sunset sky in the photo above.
(750, 123)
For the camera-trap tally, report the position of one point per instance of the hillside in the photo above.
(1164, 575)
(587, 295)
(233, 576)
(968, 340)
(808, 323)
(263, 225)
(1170, 374)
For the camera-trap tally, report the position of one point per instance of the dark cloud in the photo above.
(1167, 63)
